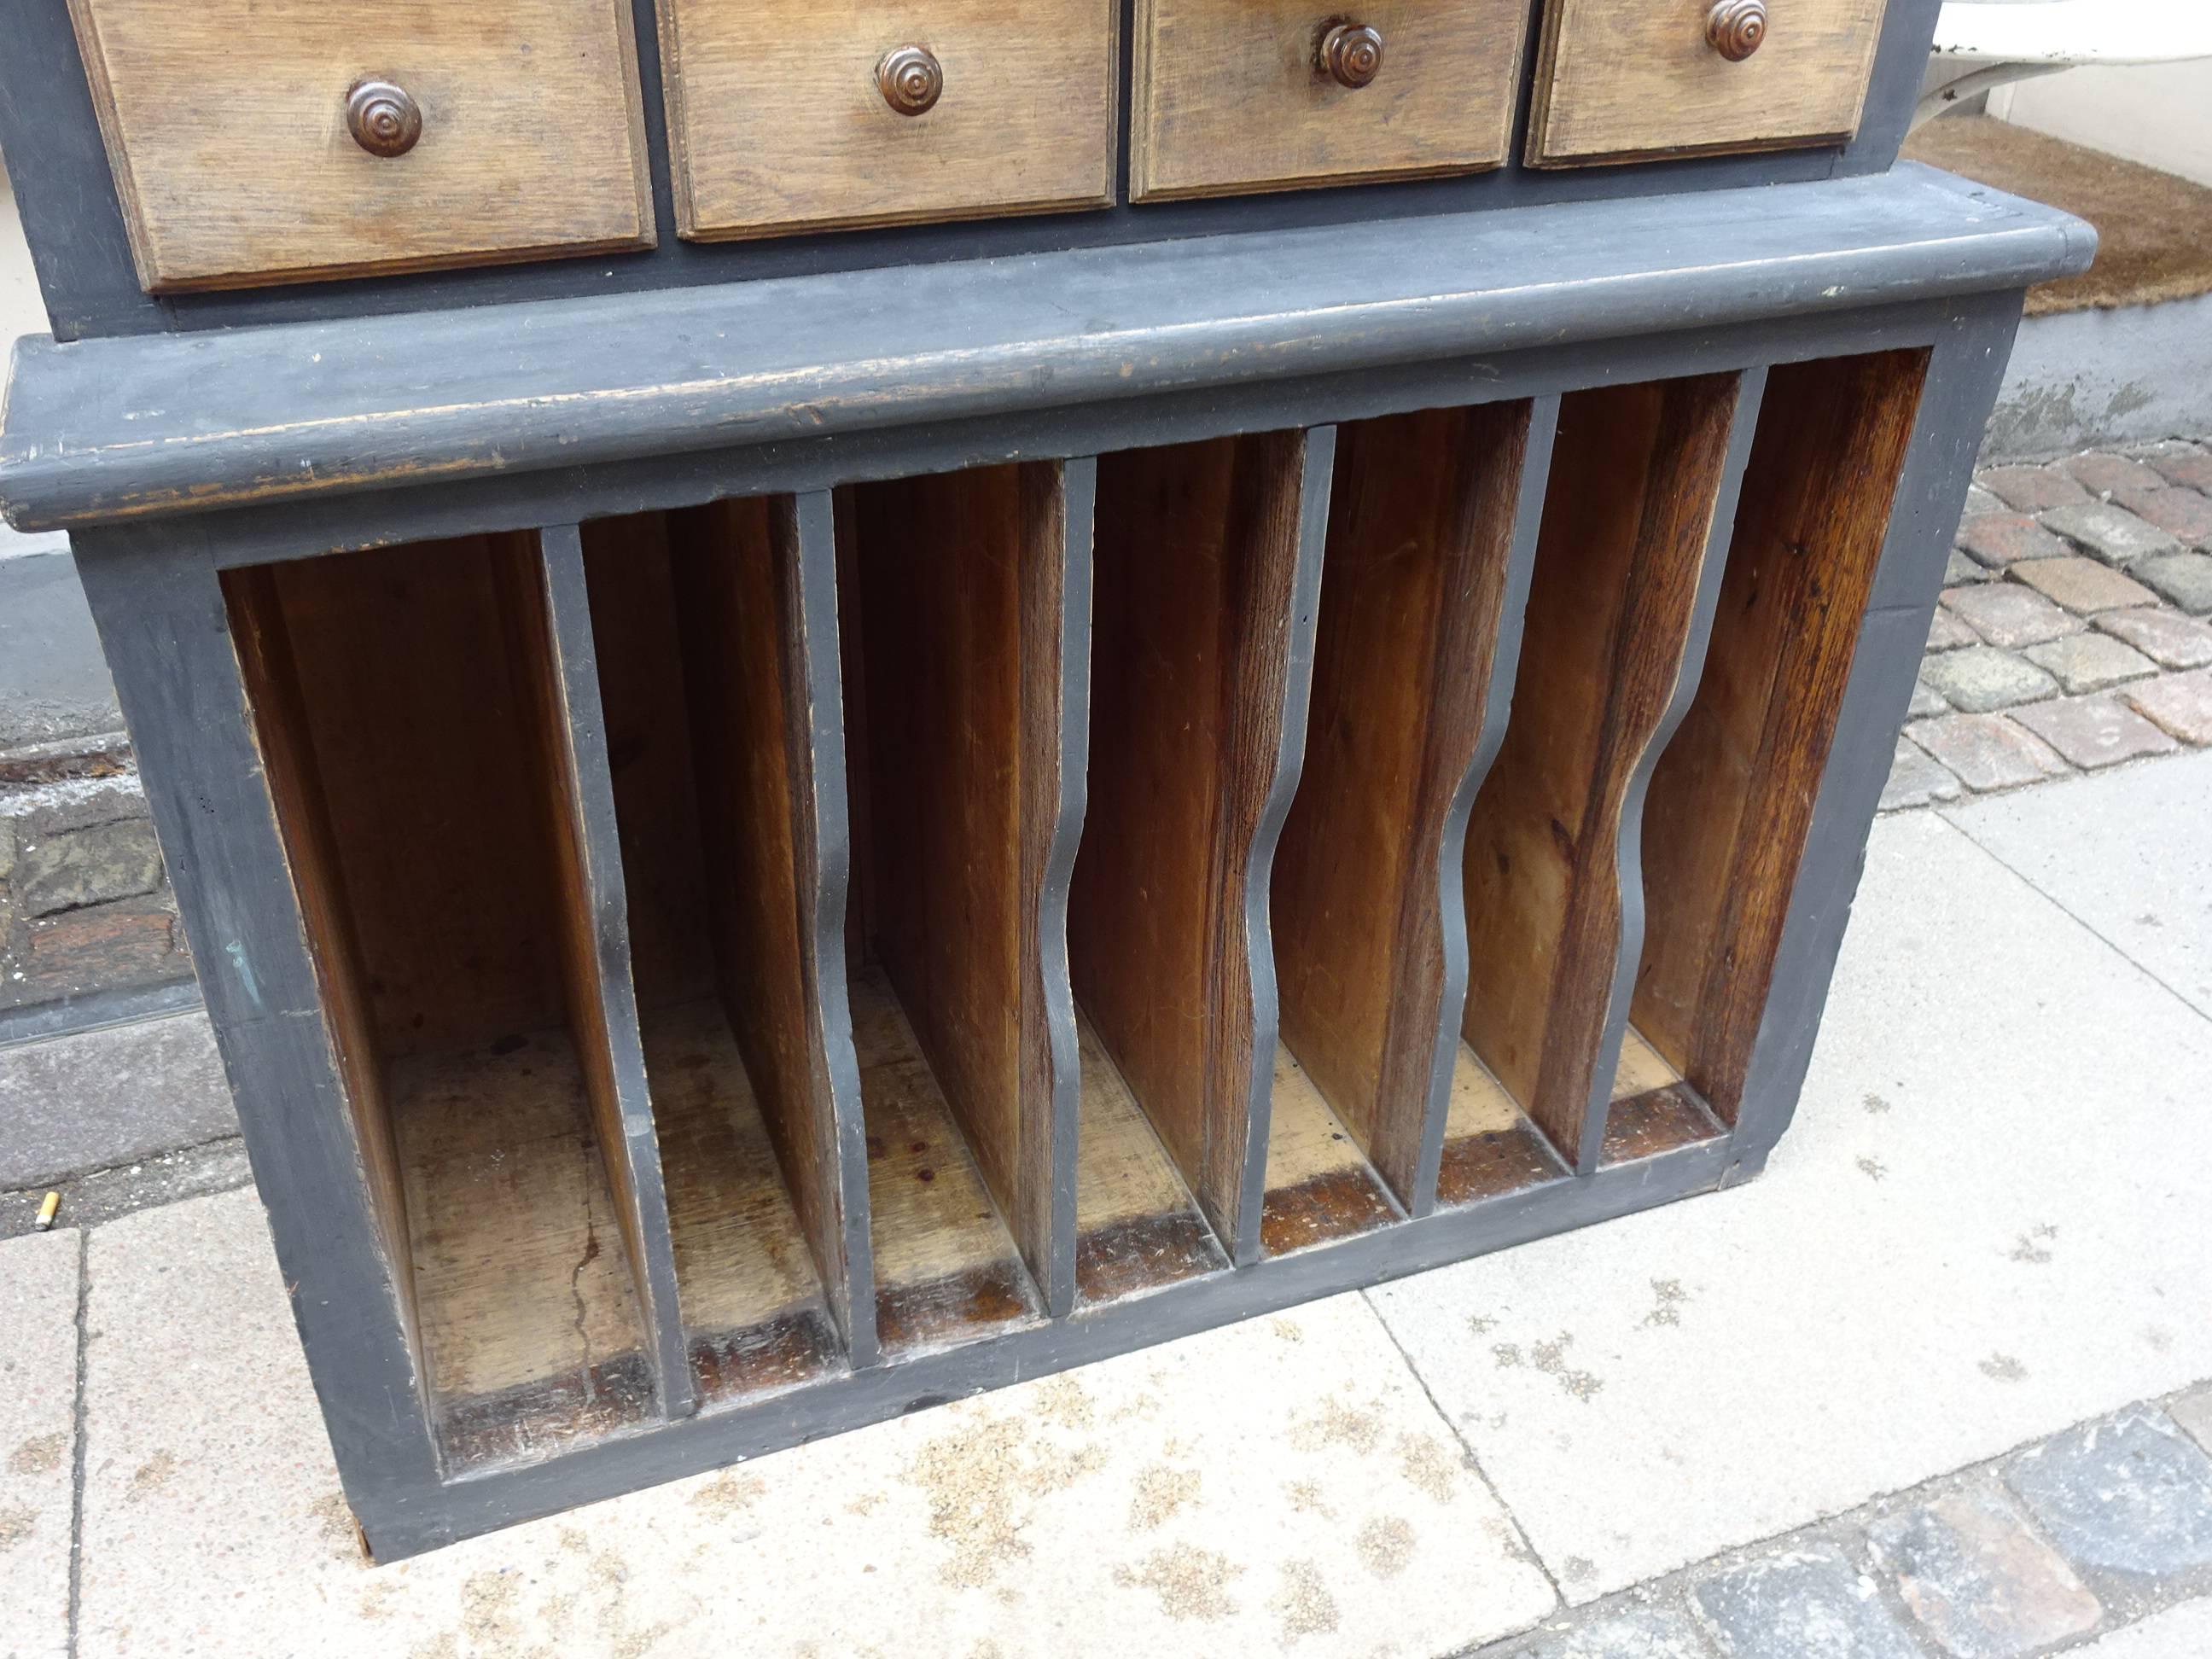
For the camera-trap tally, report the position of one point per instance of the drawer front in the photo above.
(1247, 94)
(248, 149)
(828, 114)
(1638, 79)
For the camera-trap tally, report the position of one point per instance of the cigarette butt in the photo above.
(47, 1211)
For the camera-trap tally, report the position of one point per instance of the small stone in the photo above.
(2128, 1496)
(1947, 632)
(1801, 1603)
(1981, 679)
(2112, 533)
(2082, 586)
(2095, 731)
(1978, 501)
(2182, 513)
(2182, 579)
(70, 869)
(1978, 1580)
(1987, 751)
(2089, 662)
(2193, 1410)
(2032, 489)
(1916, 779)
(2184, 464)
(2103, 474)
(1960, 569)
(2169, 641)
(1927, 703)
(2001, 539)
(2010, 615)
(2179, 704)
(1626, 1632)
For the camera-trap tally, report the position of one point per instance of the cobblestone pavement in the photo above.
(2074, 632)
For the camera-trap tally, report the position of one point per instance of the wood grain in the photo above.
(225, 124)
(1421, 518)
(745, 643)
(1626, 80)
(1635, 475)
(775, 121)
(1227, 95)
(952, 585)
(1731, 801)
(1194, 627)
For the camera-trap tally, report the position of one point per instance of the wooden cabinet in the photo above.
(272, 141)
(1272, 94)
(794, 115)
(1637, 80)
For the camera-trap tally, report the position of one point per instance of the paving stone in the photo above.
(2002, 539)
(2183, 579)
(38, 1441)
(1927, 701)
(1980, 501)
(1978, 1580)
(70, 871)
(1803, 1604)
(1987, 751)
(1283, 1484)
(2183, 513)
(2095, 731)
(2101, 472)
(2006, 614)
(2112, 533)
(1624, 1633)
(95, 1099)
(2184, 463)
(2169, 639)
(2180, 1632)
(1947, 632)
(1916, 779)
(2193, 1410)
(2032, 489)
(1958, 569)
(2178, 704)
(1981, 679)
(2128, 1495)
(2082, 586)
(2090, 662)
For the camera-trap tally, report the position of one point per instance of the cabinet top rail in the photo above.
(100, 430)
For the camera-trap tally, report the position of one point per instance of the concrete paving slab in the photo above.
(102, 1098)
(38, 1441)
(2182, 1632)
(2002, 1147)
(1279, 1485)
(2124, 854)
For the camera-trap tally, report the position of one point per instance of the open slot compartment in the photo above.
(1208, 566)
(963, 603)
(1732, 798)
(1618, 605)
(707, 674)
(444, 826)
(1431, 528)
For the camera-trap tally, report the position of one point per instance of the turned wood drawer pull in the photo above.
(384, 119)
(1351, 54)
(1734, 28)
(912, 80)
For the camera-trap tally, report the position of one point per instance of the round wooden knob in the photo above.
(1734, 28)
(384, 119)
(1352, 53)
(912, 80)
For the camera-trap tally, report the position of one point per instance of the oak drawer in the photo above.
(830, 114)
(508, 131)
(1637, 80)
(1252, 95)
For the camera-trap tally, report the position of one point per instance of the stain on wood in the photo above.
(1635, 474)
(1489, 1148)
(1320, 1188)
(1731, 800)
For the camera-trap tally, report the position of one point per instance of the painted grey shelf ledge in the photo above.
(626, 623)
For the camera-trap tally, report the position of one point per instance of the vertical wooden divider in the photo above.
(1422, 585)
(1207, 575)
(755, 587)
(1731, 800)
(1642, 486)
(548, 612)
(965, 671)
